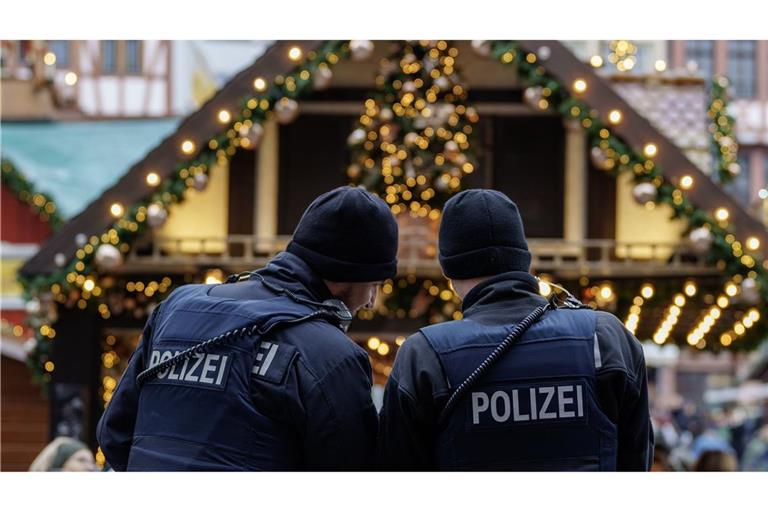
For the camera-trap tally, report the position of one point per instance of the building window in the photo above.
(109, 57)
(741, 68)
(133, 57)
(61, 50)
(702, 53)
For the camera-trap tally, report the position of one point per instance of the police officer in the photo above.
(570, 393)
(257, 373)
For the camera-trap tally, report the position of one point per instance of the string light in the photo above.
(117, 209)
(690, 288)
(260, 84)
(722, 214)
(650, 150)
(213, 276)
(188, 147)
(49, 59)
(606, 292)
(615, 116)
(686, 182)
(153, 179)
(374, 343)
(753, 243)
(596, 61)
(224, 116)
(647, 291)
(70, 78)
(579, 85)
(660, 65)
(295, 53)
(670, 320)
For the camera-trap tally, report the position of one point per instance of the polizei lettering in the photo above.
(522, 405)
(204, 370)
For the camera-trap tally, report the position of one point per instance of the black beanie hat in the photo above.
(347, 235)
(481, 234)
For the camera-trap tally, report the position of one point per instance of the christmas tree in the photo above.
(412, 145)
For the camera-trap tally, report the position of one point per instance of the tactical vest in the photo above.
(199, 414)
(536, 408)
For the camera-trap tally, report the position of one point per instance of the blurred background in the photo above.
(640, 167)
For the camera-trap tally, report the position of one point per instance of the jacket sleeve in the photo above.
(115, 428)
(341, 420)
(415, 392)
(623, 392)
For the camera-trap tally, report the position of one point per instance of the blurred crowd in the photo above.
(691, 438)
(697, 438)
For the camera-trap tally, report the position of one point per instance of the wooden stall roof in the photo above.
(201, 125)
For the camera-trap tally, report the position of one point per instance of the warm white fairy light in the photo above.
(260, 84)
(615, 116)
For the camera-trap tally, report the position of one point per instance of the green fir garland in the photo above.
(40, 203)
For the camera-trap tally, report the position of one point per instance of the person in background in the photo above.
(64, 454)
(715, 460)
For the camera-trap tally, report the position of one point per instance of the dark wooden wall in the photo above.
(528, 166)
(313, 159)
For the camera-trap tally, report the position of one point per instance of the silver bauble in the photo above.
(108, 257)
(200, 181)
(734, 169)
(81, 239)
(597, 155)
(60, 259)
(156, 215)
(482, 48)
(644, 192)
(442, 83)
(322, 78)
(543, 53)
(357, 137)
(532, 96)
(254, 134)
(411, 138)
(33, 307)
(360, 49)
(30, 345)
(701, 240)
(451, 149)
(386, 114)
(286, 110)
(409, 86)
(749, 292)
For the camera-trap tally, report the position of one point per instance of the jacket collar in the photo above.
(292, 273)
(508, 290)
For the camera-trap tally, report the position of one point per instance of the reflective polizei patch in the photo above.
(264, 357)
(201, 370)
(272, 361)
(503, 405)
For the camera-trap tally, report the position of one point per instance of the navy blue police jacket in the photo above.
(570, 394)
(295, 395)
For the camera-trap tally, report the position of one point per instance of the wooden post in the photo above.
(267, 186)
(575, 198)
